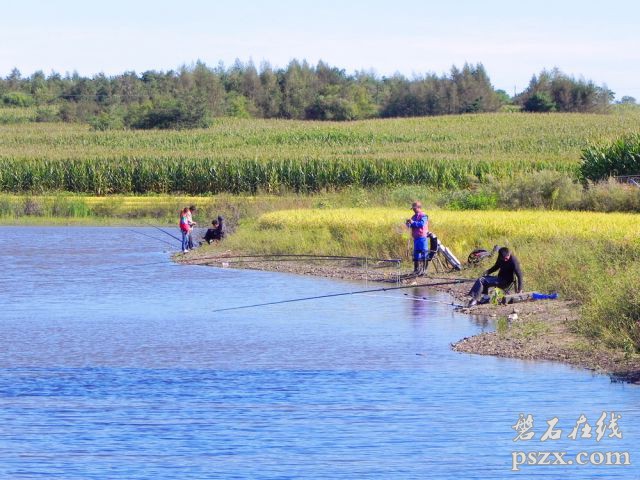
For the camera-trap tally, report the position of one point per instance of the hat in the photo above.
(416, 205)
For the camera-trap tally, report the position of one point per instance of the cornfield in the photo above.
(246, 156)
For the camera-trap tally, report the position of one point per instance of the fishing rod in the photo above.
(332, 257)
(167, 233)
(413, 298)
(413, 275)
(124, 267)
(164, 231)
(270, 260)
(150, 236)
(330, 295)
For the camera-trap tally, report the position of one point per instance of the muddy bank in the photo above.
(535, 330)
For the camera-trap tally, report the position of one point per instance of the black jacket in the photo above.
(507, 270)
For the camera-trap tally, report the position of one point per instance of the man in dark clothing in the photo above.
(216, 232)
(507, 266)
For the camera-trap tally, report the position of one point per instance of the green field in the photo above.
(276, 155)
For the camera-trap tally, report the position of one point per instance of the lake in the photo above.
(114, 364)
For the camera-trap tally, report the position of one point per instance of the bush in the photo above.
(621, 157)
(32, 207)
(46, 114)
(467, 200)
(64, 206)
(168, 114)
(611, 196)
(106, 121)
(545, 189)
(17, 99)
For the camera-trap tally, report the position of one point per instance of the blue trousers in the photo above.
(419, 248)
(185, 240)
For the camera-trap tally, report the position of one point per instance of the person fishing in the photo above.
(190, 212)
(419, 225)
(508, 268)
(185, 229)
(216, 232)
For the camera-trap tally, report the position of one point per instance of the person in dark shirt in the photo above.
(216, 232)
(507, 266)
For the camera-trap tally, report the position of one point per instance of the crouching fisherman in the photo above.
(508, 268)
(216, 232)
(419, 225)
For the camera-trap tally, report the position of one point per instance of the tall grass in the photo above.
(277, 155)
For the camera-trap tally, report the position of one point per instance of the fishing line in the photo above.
(330, 295)
(150, 236)
(166, 262)
(164, 231)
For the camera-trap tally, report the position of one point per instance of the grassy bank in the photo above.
(274, 155)
(588, 257)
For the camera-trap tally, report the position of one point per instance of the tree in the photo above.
(539, 102)
(168, 114)
(564, 94)
(270, 100)
(627, 100)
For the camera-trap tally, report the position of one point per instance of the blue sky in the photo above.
(599, 41)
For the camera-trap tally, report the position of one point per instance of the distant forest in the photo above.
(193, 96)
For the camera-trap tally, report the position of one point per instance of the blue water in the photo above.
(113, 364)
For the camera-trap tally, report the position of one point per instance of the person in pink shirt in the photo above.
(190, 211)
(185, 229)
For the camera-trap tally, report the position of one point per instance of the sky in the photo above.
(514, 40)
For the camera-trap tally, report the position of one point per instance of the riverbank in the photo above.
(539, 330)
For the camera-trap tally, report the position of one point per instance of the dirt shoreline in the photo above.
(534, 330)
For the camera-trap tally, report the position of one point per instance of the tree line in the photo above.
(192, 96)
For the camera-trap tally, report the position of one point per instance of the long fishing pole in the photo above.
(134, 265)
(330, 295)
(271, 260)
(164, 231)
(336, 257)
(412, 298)
(150, 236)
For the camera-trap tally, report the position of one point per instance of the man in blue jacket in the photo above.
(419, 225)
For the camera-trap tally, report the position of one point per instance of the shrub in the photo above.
(168, 114)
(545, 189)
(611, 196)
(468, 200)
(17, 99)
(46, 114)
(32, 206)
(106, 121)
(64, 206)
